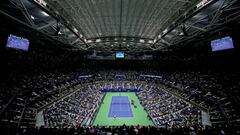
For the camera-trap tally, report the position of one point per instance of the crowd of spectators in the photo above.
(102, 84)
(45, 88)
(80, 108)
(37, 91)
(76, 109)
(209, 90)
(166, 109)
(36, 79)
(115, 130)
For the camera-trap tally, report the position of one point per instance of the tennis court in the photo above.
(120, 107)
(117, 109)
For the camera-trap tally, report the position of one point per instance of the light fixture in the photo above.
(181, 34)
(203, 3)
(44, 13)
(41, 2)
(165, 31)
(89, 41)
(141, 41)
(32, 17)
(75, 30)
(98, 40)
(155, 40)
(150, 41)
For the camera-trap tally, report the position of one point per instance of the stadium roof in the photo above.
(129, 25)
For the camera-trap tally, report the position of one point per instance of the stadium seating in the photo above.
(63, 96)
(166, 109)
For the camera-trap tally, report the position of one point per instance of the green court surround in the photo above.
(139, 114)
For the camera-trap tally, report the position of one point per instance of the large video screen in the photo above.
(17, 42)
(120, 55)
(222, 44)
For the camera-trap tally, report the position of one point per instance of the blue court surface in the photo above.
(120, 107)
